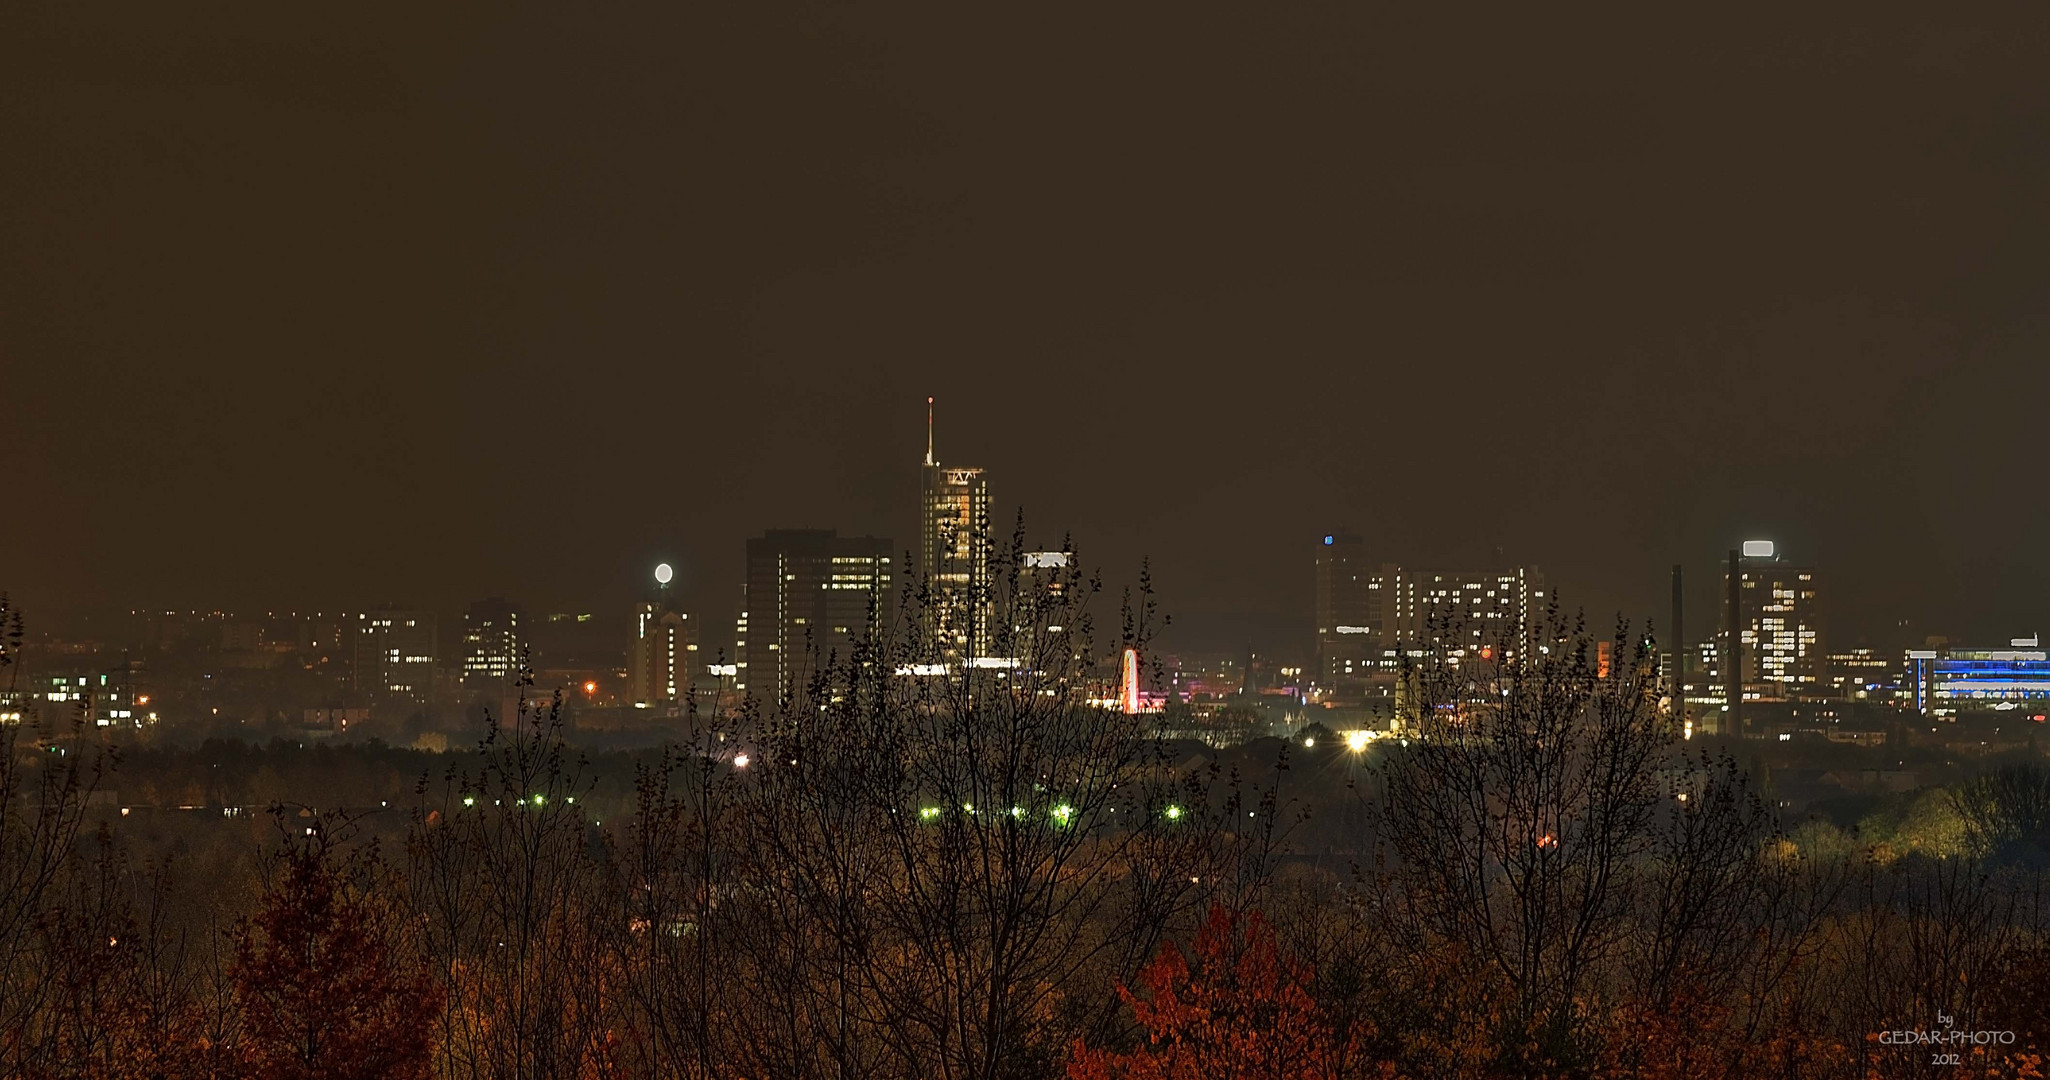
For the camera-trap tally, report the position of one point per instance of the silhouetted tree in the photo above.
(503, 869)
(950, 862)
(328, 972)
(2006, 813)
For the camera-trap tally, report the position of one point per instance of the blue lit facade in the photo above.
(1945, 682)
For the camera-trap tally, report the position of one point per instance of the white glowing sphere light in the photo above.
(663, 573)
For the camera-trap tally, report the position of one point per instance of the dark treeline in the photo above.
(985, 875)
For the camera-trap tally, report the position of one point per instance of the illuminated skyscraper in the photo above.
(811, 594)
(1457, 608)
(954, 551)
(740, 644)
(395, 653)
(1778, 622)
(1348, 636)
(664, 653)
(493, 643)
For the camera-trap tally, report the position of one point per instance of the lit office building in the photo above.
(1348, 620)
(954, 552)
(1778, 623)
(1047, 571)
(664, 653)
(1705, 677)
(1461, 609)
(395, 654)
(494, 647)
(740, 645)
(1863, 674)
(114, 698)
(811, 594)
(1946, 682)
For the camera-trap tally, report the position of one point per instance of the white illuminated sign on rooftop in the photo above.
(1758, 549)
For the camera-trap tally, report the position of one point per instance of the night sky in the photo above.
(340, 304)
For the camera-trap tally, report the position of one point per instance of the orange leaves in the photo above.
(1691, 1037)
(327, 990)
(1236, 1009)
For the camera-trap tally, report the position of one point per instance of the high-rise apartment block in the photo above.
(1459, 608)
(664, 653)
(811, 594)
(1368, 613)
(740, 644)
(394, 653)
(494, 643)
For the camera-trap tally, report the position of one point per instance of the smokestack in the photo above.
(1733, 654)
(1679, 651)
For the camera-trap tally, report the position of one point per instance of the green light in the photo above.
(469, 800)
(968, 806)
(1063, 813)
(538, 800)
(927, 813)
(1174, 813)
(1017, 811)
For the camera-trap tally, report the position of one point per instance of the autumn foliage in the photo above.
(324, 977)
(1236, 1008)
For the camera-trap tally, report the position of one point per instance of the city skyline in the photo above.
(1443, 543)
(957, 533)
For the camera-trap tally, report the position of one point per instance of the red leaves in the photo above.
(326, 987)
(1237, 1009)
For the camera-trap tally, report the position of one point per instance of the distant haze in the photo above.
(317, 305)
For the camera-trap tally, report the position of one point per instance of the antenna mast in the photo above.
(928, 432)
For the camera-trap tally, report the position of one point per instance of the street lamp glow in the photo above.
(1356, 741)
(1174, 813)
(740, 761)
(663, 572)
